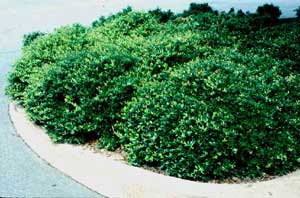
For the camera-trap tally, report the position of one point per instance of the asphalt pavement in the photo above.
(22, 172)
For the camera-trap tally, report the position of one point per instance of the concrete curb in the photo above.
(113, 178)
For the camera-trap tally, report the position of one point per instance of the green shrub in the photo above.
(269, 10)
(79, 97)
(101, 20)
(29, 38)
(196, 9)
(227, 116)
(163, 16)
(129, 23)
(298, 12)
(199, 94)
(45, 51)
(268, 14)
(240, 13)
(280, 42)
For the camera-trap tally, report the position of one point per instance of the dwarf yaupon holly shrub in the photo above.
(297, 12)
(272, 42)
(79, 97)
(203, 95)
(227, 116)
(29, 38)
(45, 51)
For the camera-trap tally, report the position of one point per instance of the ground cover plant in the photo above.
(202, 95)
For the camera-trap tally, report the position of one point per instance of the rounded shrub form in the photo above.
(45, 50)
(297, 12)
(79, 97)
(269, 10)
(228, 116)
(128, 23)
(202, 95)
(29, 38)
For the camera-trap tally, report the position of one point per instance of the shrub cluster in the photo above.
(44, 51)
(298, 12)
(29, 38)
(201, 94)
(207, 119)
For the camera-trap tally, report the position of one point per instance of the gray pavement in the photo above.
(22, 173)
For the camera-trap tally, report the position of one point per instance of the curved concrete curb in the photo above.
(116, 179)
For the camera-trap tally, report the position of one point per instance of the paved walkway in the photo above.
(22, 173)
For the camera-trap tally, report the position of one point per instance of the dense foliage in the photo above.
(45, 51)
(201, 94)
(208, 120)
(29, 38)
(269, 10)
(298, 12)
